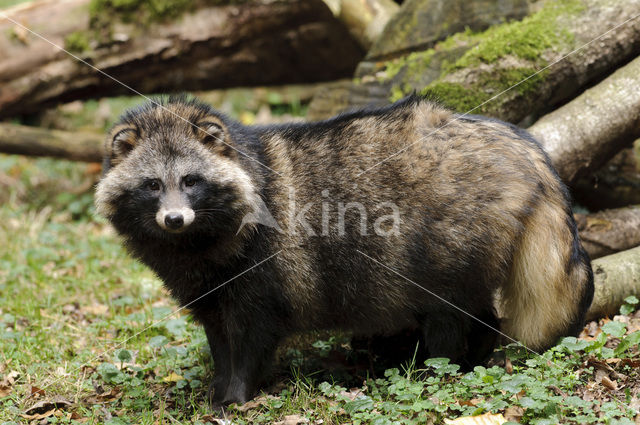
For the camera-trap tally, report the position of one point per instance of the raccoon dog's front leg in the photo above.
(221, 353)
(240, 363)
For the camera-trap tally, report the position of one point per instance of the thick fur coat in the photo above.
(376, 221)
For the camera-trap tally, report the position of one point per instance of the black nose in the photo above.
(174, 221)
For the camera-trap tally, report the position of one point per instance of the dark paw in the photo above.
(219, 407)
(210, 393)
(217, 403)
(218, 410)
(221, 399)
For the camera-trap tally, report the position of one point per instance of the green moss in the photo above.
(454, 41)
(456, 96)
(146, 11)
(77, 41)
(137, 10)
(419, 61)
(397, 93)
(394, 66)
(526, 39)
(465, 98)
(103, 13)
(414, 63)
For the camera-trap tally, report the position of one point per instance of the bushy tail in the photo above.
(551, 283)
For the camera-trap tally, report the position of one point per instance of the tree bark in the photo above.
(610, 231)
(614, 185)
(257, 43)
(421, 23)
(365, 19)
(588, 131)
(23, 140)
(616, 277)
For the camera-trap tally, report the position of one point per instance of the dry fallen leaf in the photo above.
(251, 404)
(35, 391)
(46, 408)
(352, 394)
(104, 397)
(631, 362)
(292, 420)
(508, 366)
(95, 309)
(173, 377)
(513, 413)
(590, 331)
(39, 415)
(472, 402)
(46, 405)
(557, 391)
(256, 402)
(606, 382)
(213, 420)
(7, 383)
(5, 390)
(486, 419)
(11, 377)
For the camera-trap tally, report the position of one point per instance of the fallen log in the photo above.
(364, 19)
(466, 70)
(33, 141)
(260, 42)
(614, 185)
(616, 277)
(610, 231)
(588, 131)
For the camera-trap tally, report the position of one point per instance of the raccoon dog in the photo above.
(274, 224)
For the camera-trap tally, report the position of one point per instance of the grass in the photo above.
(5, 4)
(87, 336)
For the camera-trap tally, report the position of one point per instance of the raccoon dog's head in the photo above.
(171, 173)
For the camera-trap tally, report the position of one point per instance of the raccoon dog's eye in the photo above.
(153, 185)
(191, 180)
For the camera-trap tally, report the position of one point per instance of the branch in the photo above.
(607, 232)
(364, 19)
(258, 42)
(469, 69)
(616, 277)
(23, 140)
(588, 131)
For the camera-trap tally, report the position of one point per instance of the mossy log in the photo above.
(610, 231)
(421, 23)
(259, 42)
(616, 277)
(468, 70)
(588, 131)
(33, 141)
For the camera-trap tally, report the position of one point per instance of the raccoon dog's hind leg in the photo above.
(466, 340)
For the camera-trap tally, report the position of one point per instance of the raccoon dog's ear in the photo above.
(212, 132)
(120, 142)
